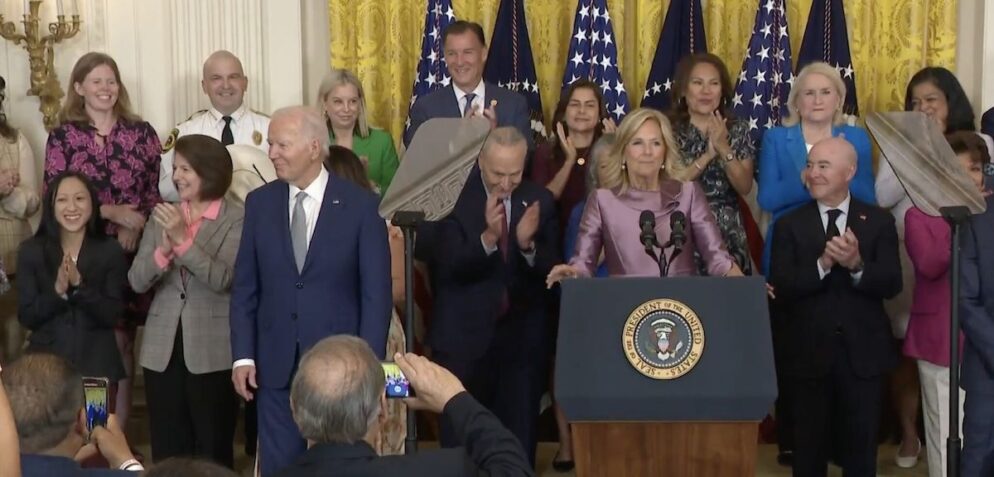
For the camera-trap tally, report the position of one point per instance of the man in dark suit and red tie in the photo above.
(468, 95)
(314, 261)
(834, 261)
(491, 256)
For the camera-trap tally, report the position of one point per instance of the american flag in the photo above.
(593, 54)
(432, 72)
(826, 39)
(766, 77)
(682, 34)
(510, 64)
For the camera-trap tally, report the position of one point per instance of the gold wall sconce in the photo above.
(41, 53)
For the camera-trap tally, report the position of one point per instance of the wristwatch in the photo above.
(729, 157)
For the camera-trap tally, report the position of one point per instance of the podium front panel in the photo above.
(606, 328)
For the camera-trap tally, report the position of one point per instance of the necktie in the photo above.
(832, 230)
(298, 231)
(468, 109)
(504, 236)
(227, 138)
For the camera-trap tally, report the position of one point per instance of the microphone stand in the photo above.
(956, 216)
(408, 222)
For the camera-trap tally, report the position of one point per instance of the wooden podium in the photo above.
(703, 419)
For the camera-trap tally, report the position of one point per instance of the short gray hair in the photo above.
(507, 136)
(336, 393)
(46, 396)
(312, 126)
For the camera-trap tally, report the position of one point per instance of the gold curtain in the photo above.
(380, 40)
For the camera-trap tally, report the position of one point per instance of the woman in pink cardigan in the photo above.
(928, 241)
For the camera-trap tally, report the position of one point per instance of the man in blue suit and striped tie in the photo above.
(468, 95)
(314, 261)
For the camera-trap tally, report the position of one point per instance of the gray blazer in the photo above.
(202, 304)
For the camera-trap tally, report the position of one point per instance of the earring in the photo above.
(662, 167)
(624, 166)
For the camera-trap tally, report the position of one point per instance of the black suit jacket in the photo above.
(814, 309)
(487, 449)
(469, 284)
(81, 327)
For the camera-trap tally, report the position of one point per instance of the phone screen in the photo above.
(95, 392)
(397, 385)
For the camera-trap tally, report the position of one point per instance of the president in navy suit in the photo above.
(491, 256)
(977, 370)
(465, 50)
(313, 262)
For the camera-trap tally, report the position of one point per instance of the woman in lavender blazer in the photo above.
(633, 179)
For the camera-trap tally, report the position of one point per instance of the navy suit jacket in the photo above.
(512, 109)
(469, 284)
(487, 449)
(36, 465)
(977, 302)
(344, 287)
(987, 122)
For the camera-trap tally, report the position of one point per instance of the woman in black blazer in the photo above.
(71, 287)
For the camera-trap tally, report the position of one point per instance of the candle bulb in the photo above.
(58, 7)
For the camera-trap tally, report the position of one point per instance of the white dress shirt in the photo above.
(480, 93)
(840, 223)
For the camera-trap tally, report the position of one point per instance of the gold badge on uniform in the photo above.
(171, 140)
(663, 339)
(257, 138)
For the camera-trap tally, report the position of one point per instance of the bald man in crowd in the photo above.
(834, 261)
(228, 119)
(313, 262)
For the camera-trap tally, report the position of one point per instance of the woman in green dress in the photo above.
(344, 103)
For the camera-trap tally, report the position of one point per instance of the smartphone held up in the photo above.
(397, 385)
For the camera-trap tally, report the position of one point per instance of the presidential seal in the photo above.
(663, 339)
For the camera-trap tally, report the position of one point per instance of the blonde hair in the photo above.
(338, 77)
(816, 68)
(610, 171)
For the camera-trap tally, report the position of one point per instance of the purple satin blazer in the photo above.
(611, 221)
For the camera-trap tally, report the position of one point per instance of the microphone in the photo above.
(678, 237)
(647, 224)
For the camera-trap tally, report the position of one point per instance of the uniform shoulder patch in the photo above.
(198, 113)
(170, 141)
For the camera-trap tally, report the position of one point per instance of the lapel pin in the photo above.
(335, 202)
(524, 203)
(862, 216)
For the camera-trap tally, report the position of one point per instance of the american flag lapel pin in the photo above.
(862, 217)
(335, 202)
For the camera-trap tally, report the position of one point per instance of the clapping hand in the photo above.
(496, 220)
(170, 218)
(844, 250)
(527, 226)
(566, 142)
